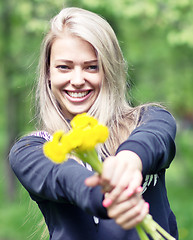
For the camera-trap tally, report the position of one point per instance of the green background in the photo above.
(156, 37)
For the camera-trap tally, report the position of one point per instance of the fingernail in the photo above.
(139, 189)
(147, 204)
(129, 193)
(107, 202)
(85, 181)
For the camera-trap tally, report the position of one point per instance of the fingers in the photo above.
(118, 175)
(109, 166)
(121, 180)
(129, 213)
(93, 181)
(131, 218)
(123, 171)
(124, 196)
(136, 182)
(130, 184)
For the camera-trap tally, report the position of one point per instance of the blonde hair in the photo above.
(111, 107)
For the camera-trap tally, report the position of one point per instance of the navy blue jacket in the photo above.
(68, 205)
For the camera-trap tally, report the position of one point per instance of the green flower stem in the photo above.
(148, 226)
(90, 157)
(141, 233)
(153, 229)
(163, 232)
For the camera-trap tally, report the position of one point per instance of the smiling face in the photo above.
(75, 76)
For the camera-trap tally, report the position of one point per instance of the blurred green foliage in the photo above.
(156, 37)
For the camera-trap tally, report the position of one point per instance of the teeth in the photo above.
(77, 94)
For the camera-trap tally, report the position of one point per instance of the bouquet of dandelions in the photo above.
(80, 141)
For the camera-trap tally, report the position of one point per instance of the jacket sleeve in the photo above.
(45, 180)
(153, 140)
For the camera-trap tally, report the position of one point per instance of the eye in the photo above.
(93, 68)
(63, 67)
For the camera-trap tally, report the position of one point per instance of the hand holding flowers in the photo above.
(86, 133)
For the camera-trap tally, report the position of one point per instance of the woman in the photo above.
(82, 70)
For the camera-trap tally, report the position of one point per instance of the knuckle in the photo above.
(139, 219)
(126, 226)
(113, 185)
(112, 214)
(106, 188)
(119, 221)
(137, 210)
(115, 192)
(105, 180)
(133, 202)
(122, 187)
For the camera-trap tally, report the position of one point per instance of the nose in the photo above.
(77, 77)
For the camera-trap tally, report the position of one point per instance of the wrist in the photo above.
(131, 157)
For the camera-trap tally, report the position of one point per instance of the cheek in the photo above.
(58, 80)
(55, 84)
(99, 81)
(54, 87)
(54, 91)
(56, 77)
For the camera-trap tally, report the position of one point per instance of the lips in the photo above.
(77, 94)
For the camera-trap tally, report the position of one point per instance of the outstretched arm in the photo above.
(149, 149)
(47, 181)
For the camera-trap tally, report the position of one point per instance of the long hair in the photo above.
(111, 106)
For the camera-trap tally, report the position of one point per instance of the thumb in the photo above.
(92, 181)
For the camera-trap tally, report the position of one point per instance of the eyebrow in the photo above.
(91, 61)
(85, 62)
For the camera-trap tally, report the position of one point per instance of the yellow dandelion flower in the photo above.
(57, 136)
(89, 140)
(92, 136)
(66, 143)
(54, 151)
(86, 133)
(90, 131)
(83, 121)
(57, 148)
(101, 132)
(74, 138)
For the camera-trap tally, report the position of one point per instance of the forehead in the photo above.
(72, 47)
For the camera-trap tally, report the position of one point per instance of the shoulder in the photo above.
(153, 112)
(157, 121)
(41, 134)
(29, 142)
